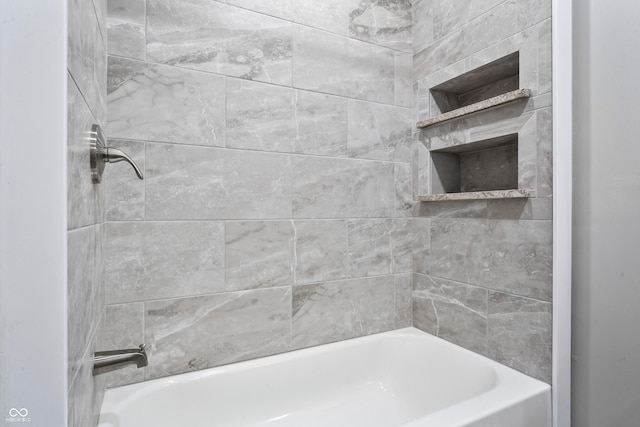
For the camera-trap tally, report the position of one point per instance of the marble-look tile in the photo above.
(532, 209)
(420, 167)
(85, 395)
(126, 21)
(321, 124)
(455, 209)
(124, 328)
(519, 334)
(258, 254)
(453, 311)
(506, 255)
(342, 188)
(530, 12)
(125, 192)
(404, 194)
(272, 118)
(402, 83)
(86, 202)
(382, 22)
(403, 239)
(159, 103)
(369, 247)
(196, 333)
(85, 292)
(206, 183)
(422, 25)
(480, 33)
(87, 55)
(545, 153)
(379, 132)
(320, 251)
(421, 229)
(545, 58)
(211, 36)
(150, 260)
(450, 15)
(329, 15)
(336, 65)
(260, 116)
(403, 290)
(328, 312)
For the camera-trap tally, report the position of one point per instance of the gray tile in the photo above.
(545, 153)
(545, 60)
(404, 203)
(328, 312)
(205, 183)
(258, 254)
(321, 124)
(125, 193)
(422, 26)
(530, 12)
(86, 55)
(342, 188)
(260, 116)
(402, 84)
(507, 255)
(385, 23)
(320, 251)
(272, 118)
(450, 15)
(150, 260)
(336, 65)
(85, 394)
(126, 21)
(480, 33)
(379, 132)
(453, 311)
(86, 202)
(85, 293)
(519, 334)
(159, 103)
(196, 333)
(369, 247)
(403, 290)
(422, 249)
(329, 15)
(404, 240)
(211, 36)
(124, 328)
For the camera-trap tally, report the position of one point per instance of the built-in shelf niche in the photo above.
(496, 83)
(489, 166)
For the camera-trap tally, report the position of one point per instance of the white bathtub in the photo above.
(399, 378)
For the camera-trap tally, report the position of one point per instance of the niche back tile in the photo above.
(211, 36)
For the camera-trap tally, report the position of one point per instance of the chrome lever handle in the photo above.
(100, 155)
(113, 155)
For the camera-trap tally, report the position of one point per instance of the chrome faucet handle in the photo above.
(100, 155)
(113, 155)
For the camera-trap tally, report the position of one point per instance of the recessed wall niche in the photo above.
(493, 79)
(485, 166)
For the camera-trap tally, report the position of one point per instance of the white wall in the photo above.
(33, 371)
(606, 269)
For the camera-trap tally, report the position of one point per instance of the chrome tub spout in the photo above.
(107, 361)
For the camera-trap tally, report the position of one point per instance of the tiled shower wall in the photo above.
(486, 282)
(86, 207)
(276, 208)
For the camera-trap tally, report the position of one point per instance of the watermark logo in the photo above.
(20, 415)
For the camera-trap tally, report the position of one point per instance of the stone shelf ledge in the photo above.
(477, 195)
(474, 108)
